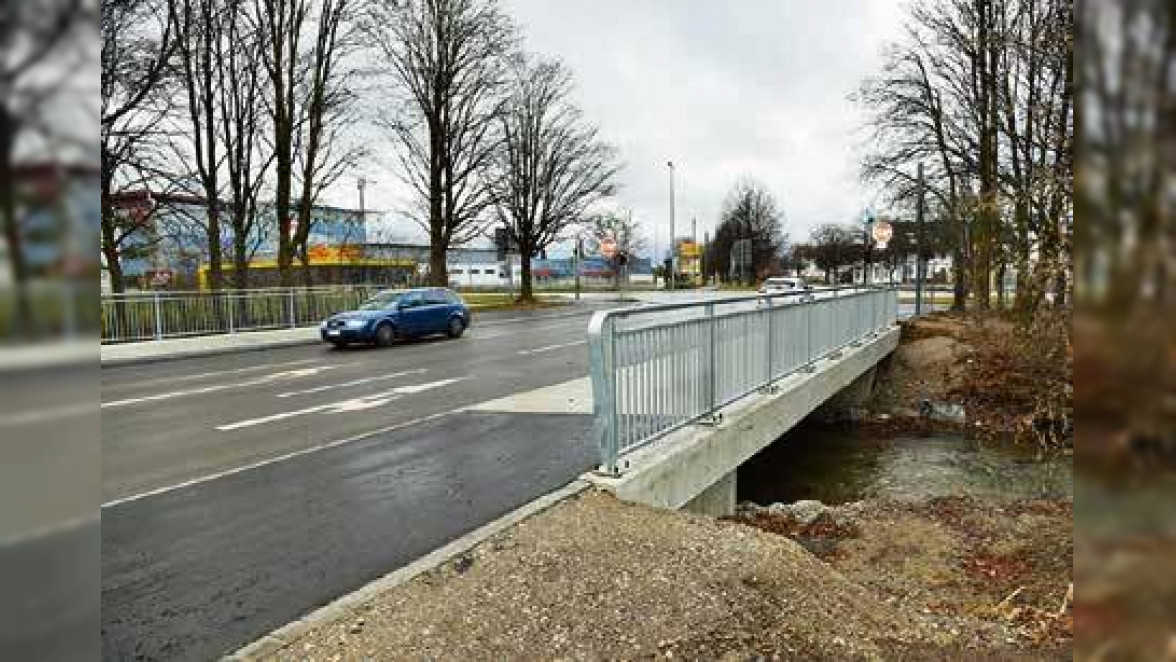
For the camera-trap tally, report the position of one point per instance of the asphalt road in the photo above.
(243, 491)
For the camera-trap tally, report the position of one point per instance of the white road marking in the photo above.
(549, 348)
(343, 406)
(215, 373)
(570, 397)
(478, 336)
(274, 460)
(355, 382)
(278, 376)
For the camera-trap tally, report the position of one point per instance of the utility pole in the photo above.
(673, 247)
(361, 185)
(920, 191)
(579, 250)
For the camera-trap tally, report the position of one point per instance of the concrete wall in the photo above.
(675, 471)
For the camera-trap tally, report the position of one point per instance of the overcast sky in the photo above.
(724, 88)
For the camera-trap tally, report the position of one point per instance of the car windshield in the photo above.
(381, 301)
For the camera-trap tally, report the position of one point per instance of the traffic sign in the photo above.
(608, 248)
(882, 233)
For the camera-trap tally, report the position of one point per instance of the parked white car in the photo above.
(781, 285)
(784, 285)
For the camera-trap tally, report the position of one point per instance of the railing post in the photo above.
(232, 315)
(712, 373)
(810, 312)
(771, 344)
(158, 318)
(290, 309)
(601, 345)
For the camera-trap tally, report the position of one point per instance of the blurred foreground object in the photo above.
(1125, 341)
(49, 209)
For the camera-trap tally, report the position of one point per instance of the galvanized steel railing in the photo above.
(657, 368)
(142, 316)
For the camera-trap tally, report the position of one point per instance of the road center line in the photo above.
(202, 375)
(343, 406)
(355, 382)
(278, 376)
(549, 348)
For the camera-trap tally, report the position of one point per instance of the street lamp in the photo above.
(361, 185)
(673, 247)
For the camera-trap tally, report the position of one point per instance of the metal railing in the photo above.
(141, 316)
(657, 368)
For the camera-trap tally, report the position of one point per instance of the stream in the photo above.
(837, 464)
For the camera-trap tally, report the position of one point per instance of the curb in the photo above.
(215, 351)
(279, 344)
(346, 606)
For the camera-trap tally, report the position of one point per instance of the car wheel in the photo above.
(456, 327)
(385, 334)
(339, 344)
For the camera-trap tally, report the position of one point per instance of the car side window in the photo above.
(435, 297)
(411, 300)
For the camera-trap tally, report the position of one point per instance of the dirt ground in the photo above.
(1014, 384)
(595, 578)
(995, 577)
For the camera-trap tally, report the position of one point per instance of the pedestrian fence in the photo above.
(140, 316)
(660, 367)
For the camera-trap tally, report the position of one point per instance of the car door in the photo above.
(413, 316)
(438, 306)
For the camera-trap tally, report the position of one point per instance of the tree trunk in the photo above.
(8, 214)
(240, 261)
(1001, 272)
(526, 290)
(110, 242)
(438, 269)
(959, 295)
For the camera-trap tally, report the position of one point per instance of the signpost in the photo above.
(882, 233)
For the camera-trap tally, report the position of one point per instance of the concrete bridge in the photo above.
(685, 393)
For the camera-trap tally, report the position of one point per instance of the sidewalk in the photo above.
(46, 355)
(225, 343)
(228, 343)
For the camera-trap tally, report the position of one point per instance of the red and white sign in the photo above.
(608, 248)
(883, 232)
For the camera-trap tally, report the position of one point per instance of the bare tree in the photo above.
(1127, 237)
(326, 101)
(552, 166)
(136, 44)
(751, 213)
(199, 28)
(618, 227)
(38, 44)
(833, 246)
(242, 120)
(449, 57)
(980, 91)
(281, 24)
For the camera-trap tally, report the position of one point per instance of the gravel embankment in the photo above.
(596, 578)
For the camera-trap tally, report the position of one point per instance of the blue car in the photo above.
(394, 314)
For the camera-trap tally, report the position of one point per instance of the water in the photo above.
(837, 464)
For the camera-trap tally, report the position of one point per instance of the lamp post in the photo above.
(361, 185)
(673, 247)
(868, 262)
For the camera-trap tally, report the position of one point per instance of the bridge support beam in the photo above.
(718, 500)
(684, 466)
